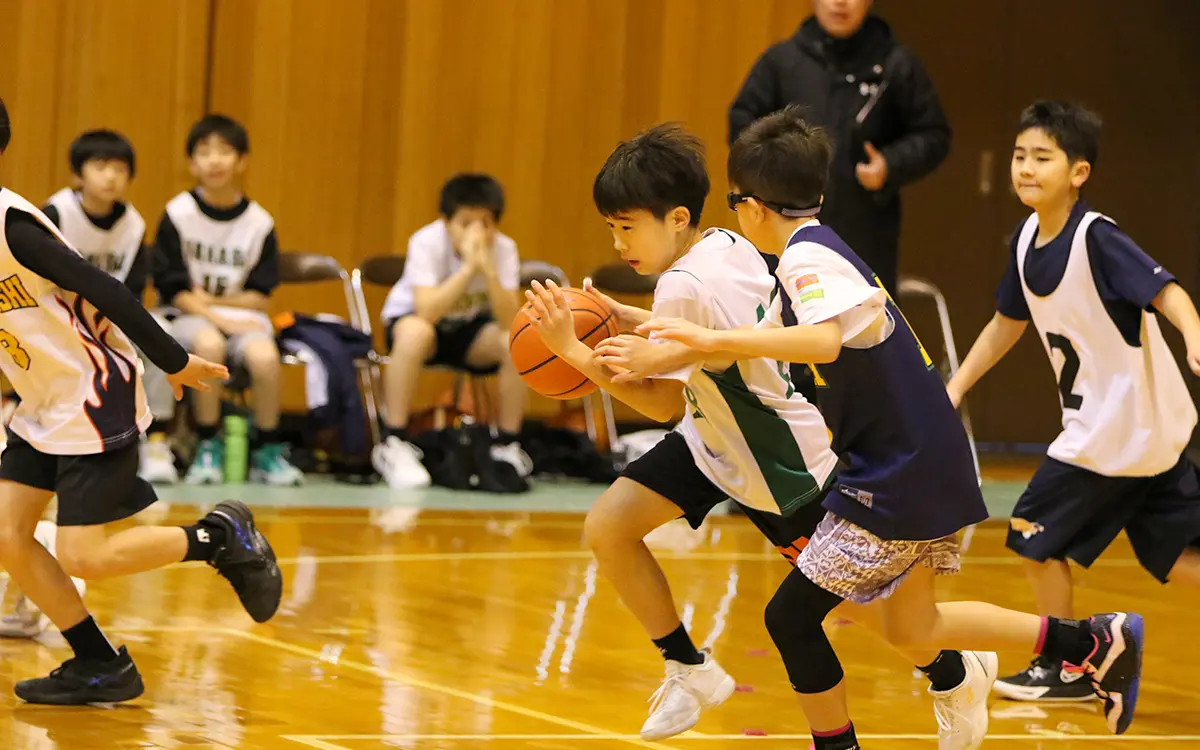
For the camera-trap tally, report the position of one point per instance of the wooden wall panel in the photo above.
(137, 66)
(359, 111)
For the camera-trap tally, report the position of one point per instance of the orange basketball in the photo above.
(539, 368)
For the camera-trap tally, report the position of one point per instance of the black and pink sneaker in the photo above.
(1115, 665)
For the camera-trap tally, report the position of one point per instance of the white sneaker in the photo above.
(514, 455)
(157, 463)
(26, 621)
(962, 713)
(399, 463)
(688, 689)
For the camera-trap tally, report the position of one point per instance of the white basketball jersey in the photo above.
(219, 254)
(749, 431)
(113, 250)
(1126, 409)
(78, 376)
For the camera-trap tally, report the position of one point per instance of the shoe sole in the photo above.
(1132, 633)
(97, 696)
(1026, 694)
(724, 690)
(237, 510)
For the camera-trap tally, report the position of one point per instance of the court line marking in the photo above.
(586, 555)
(324, 741)
(434, 687)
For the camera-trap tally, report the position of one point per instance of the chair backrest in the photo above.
(309, 268)
(382, 270)
(312, 268)
(540, 270)
(620, 278)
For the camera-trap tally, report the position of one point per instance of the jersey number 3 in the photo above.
(11, 345)
(1070, 370)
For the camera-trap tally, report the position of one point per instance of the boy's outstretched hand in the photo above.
(552, 316)
(196, 374)
(684, 331)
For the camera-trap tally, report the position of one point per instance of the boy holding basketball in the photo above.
(908, 484)
(746, 433)
(452, 308)
(1126, 413)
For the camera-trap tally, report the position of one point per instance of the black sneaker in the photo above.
(81, 681)
(1045, 680)
(1115, 665)
(247, 560)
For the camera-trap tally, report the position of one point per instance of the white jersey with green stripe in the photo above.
(749, 431)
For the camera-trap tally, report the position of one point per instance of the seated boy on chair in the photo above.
(452, 308)
(222, 264)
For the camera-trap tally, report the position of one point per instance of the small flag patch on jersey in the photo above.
(808, 287)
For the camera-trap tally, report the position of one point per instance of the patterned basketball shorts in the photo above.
(847, 560)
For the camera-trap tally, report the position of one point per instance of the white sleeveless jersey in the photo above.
(113, 250)
(748, 429)
(219, 254)
(78, 376)
(1126, 409)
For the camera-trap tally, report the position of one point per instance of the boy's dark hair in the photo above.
(783, 160)
(105, 145)
(229, 129)
(5, 127)
(471, 190)
(657, 170)
(1074, 127)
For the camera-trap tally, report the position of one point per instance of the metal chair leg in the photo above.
(923, 288)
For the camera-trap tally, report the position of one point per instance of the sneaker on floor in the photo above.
(399, 463)
(26, 621)
(46, 533)
(1115, 665)
(208, 467)
(247, 560)
(513, 455)
(269, 466)
(962, 712)
(687, 690)
(1045, 680)
(157, 462)
(81, 681)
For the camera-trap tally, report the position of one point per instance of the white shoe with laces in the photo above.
(26, 620)
(157, 463)
(514, 455)
(399, 463)
(687, 690)
(962, 712)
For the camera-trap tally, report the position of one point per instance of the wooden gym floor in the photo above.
(453, 629)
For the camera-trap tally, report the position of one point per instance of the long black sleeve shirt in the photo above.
(35, 248)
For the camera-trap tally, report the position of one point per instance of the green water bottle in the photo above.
(237, 448)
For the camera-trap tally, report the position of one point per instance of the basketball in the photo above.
(539, 368)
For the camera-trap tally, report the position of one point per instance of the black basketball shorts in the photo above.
(92, 490)
(1072, 513)
(452, 342)
(669, 469)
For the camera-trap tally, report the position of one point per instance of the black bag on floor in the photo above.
(567, 453)
(459, 458)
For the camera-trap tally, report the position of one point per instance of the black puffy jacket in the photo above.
(835, 79)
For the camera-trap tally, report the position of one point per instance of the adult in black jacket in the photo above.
(875, 98)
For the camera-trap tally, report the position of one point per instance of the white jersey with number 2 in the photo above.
(1126, 409)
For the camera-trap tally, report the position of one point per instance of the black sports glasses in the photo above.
(733, 199)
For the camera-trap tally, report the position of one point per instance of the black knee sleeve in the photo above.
(794, 616)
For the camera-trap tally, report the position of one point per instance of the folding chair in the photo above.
(619, 278)
(384, 271)
(911, 286)
(313, 268)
